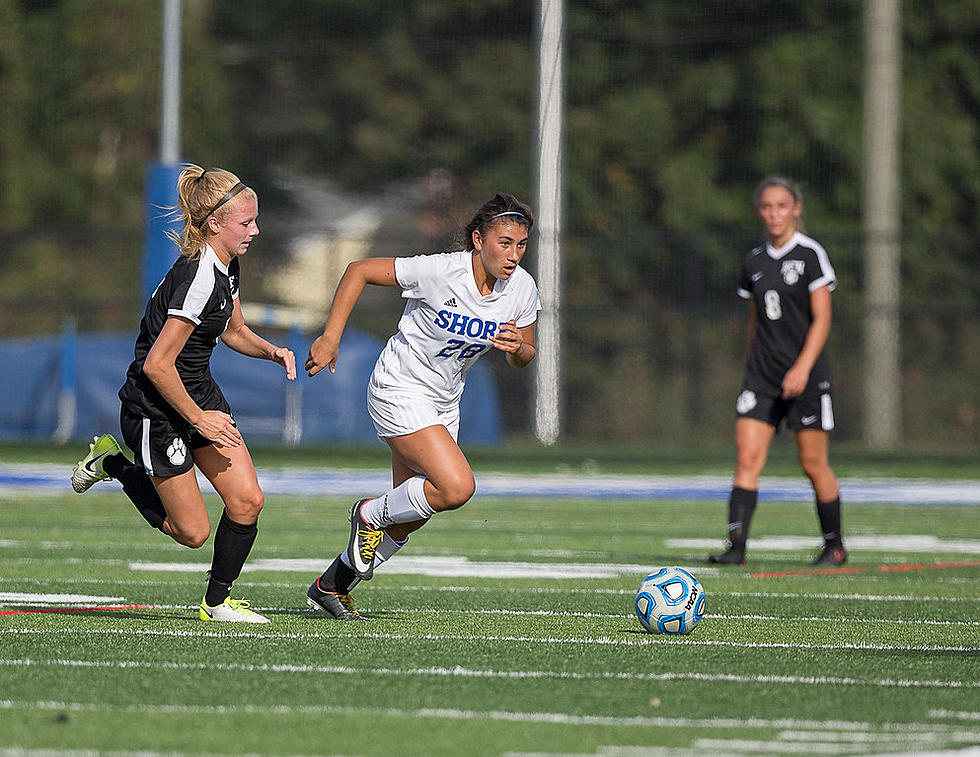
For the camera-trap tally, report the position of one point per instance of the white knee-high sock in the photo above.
(403, 504)
(387, 549)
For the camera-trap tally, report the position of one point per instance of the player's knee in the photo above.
(194, 535)
(813, 466)
(751, 461)
(456, 493)
(245, 507)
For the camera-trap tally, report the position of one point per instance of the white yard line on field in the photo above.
(506, 716)
(21, 598)
(461, 672)
(435, 566)
(646, 640)
(28, 600)
(891, 544)
(954, 715)
(542, 590)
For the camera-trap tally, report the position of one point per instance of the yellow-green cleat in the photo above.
(89, 470)
(231, 611)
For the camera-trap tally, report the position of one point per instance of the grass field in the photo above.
(505, 628)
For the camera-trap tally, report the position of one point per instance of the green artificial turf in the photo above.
(881, 659)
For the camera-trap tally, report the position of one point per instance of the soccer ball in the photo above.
(670, 601)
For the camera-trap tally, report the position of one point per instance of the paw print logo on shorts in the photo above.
(176, 452)
(745, 402)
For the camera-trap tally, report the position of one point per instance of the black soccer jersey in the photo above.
(202, 291)
(780, 282)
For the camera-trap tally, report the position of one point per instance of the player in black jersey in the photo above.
(174, 415)
(788, 281)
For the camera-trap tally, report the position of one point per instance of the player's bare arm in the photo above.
(239, 337)
(160, 367)
(359, 273)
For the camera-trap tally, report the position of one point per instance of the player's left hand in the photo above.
(508, 338)
(794, 382)
(287, 360)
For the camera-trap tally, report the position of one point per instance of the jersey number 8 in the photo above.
(774, 308)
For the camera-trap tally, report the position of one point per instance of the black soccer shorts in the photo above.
(808, 411)
(164, 447)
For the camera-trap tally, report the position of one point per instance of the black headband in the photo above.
(228, 195)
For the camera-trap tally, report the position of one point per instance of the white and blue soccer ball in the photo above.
(670, 601)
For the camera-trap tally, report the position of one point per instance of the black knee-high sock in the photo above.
(741, 506)
(232, 543)
(338, 577)
(829, 515)
(138, 487)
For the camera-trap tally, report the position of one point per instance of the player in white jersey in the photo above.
(461, 305)
(174, 416)
(788, 282)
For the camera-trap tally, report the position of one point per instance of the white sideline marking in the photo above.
(739, 746)
(442, 566)
(860, 597)
(954, 714)
(545, 590)
(630, 592)
(856, 738)
(605, 615)
(497, 715)
(733, 746)
(625, 616)
(893, 621)
(892, 543)
(436, 566)
(461, 672)
(648, 640)
(50, 599)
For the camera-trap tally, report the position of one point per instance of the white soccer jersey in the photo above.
(447, 324)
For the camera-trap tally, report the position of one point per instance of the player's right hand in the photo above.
(219, 428)
(323, 354)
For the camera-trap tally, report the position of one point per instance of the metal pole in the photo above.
(882, 223)
(68, 392)
(161, 180)
(549, 193)
(292, 427)
(170, 85)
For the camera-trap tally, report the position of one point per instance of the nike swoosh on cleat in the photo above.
(207, 611)
(90, 463)
(360, 564)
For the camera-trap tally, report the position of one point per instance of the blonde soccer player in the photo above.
(174, 417)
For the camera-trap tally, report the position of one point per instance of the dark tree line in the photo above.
(674, 110)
